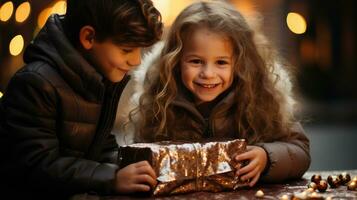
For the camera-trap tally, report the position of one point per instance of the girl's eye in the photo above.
(222, 62)
(195, 61)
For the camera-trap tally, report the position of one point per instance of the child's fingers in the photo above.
(146, 169)
(144, 178)
(254, 180)
(139, 188)
(244, 156)
(142, 163)
(247, 168)
(250, 174)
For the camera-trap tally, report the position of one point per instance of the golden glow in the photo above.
(245, 7)
(59, 7)
(23, 12)
(163, 6)
(6, 11)
(170, 9)
(42, 18)
(296, 23)
(16, 45)
(1, 94)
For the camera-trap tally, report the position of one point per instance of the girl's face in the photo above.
(206, 64)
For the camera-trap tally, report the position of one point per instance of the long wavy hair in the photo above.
(257, 105)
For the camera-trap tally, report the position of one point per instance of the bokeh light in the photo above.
(23, 12)
(16, 45)
(42, 18)
(296, 23)
(6, 11)
(59, 8)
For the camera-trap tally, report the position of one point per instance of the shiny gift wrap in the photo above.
(188, 167)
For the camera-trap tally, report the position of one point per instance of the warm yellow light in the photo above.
(59, 7)
(23, 12)
(296, 23)
(6, 11)
(16, 45)
(170, 9)
(162, 6)
(1, 94)
(42, 18)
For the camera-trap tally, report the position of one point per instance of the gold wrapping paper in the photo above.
(188, 167)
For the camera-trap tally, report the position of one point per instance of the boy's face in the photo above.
(113, 60)
(206, 64)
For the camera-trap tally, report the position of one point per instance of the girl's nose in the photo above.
(135, 58)
(207, 72)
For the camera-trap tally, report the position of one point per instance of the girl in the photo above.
(212, 80)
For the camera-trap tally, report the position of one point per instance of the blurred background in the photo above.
(319, 38)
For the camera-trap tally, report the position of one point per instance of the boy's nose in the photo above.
(135, 58)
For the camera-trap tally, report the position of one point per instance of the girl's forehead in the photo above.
(203, 37)
(204, 31)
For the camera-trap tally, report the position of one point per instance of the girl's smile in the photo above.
(205, 85)
(206, 64)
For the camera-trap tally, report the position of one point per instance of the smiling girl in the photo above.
(214, 81)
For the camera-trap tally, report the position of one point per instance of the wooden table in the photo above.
(271, 191)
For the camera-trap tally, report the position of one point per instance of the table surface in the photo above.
(271, 191)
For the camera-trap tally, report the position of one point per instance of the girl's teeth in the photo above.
(208, 86)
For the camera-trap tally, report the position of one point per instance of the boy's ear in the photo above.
(86, 37)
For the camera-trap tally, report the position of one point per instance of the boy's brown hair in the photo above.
(125, 22)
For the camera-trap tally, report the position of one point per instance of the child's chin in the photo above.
(205, 99)
(116, 79)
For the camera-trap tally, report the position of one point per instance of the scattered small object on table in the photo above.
(259, 193)
(322, 186)
(307, 196)
(300, 196)
(334, 181)
(316, 178)
(354, 178)
(352, 185)
(315, 196)
(329, 198)
(345, 178)
(310, 190)
(312, 185)
(284, 197)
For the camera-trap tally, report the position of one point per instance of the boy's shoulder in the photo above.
(39, 72)
(34, 85)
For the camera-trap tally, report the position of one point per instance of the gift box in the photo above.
(188, 167)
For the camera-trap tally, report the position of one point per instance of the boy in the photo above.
(58, 111)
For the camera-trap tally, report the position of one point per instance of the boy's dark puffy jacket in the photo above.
(56, 117)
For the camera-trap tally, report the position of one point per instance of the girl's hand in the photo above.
(137, 177)
(257, 158)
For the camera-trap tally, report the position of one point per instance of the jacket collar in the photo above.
(185, 101)
(52, 46)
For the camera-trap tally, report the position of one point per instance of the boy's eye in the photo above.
(127, 50)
